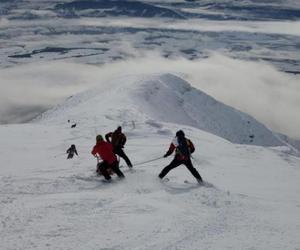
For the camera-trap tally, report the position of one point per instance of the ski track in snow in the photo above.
(49, 202)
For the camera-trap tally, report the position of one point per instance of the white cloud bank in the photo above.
(3, 22)
(257, 88)
(268, 27)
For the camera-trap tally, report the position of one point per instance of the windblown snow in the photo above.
(49, 202)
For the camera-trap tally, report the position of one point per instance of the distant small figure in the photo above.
(71, 151)
(68, 121)
(73, 125)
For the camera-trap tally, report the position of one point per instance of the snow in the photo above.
(227, 74)
(49, 202)
(165, 98)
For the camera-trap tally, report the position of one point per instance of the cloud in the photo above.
(266, 27)
(256, 88)
(3, 22)
(38, 86)
(269, 27)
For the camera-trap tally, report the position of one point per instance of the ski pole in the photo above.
(141, 163)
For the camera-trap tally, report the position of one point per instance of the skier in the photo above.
(105, 151)
(118, 140)
(70, 151)
(99, 167)
(183, 149)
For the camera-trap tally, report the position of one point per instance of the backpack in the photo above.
(183, 147)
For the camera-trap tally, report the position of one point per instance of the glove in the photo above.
(165, 155)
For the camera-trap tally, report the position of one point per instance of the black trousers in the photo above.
(70, 156)
(175, 163)
(103, 166)
(119, 151)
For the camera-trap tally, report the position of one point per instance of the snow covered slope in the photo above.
(171, 99)
(48, 202)
(165, 98)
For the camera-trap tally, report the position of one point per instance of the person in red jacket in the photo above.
(118, 140)
(183, 149)
(104, 150)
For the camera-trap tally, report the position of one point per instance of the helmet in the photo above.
(99, 138)
(180, 133)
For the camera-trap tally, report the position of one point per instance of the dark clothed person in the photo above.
(183, 149)
(104, 150)
(118, 140)
(71, 151)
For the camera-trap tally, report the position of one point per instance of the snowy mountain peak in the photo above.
(164, 98)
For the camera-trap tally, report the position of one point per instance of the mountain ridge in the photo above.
(167, 98)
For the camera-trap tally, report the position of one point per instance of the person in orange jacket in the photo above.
(118, 140)
(183, 149)
(104, 150)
